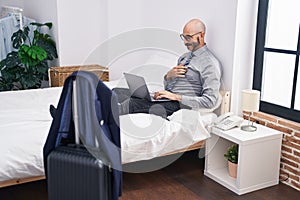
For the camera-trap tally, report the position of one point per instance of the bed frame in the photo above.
(224, 107)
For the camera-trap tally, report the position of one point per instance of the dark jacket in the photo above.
(98, 119)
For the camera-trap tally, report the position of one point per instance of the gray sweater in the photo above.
(201, 84)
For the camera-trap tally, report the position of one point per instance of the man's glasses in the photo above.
(188, 37)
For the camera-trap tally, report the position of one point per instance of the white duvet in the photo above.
(147, 136)
(25, 122)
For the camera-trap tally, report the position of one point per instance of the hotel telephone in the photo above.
(227, 121)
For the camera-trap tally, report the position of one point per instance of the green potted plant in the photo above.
(231, 156)
(27, 67)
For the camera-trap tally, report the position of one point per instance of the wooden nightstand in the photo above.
(258, 162)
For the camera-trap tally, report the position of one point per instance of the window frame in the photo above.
(267, 107)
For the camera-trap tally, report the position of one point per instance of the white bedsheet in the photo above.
(147, 136)
(25, 122)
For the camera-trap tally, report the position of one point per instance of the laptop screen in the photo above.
(137, 86)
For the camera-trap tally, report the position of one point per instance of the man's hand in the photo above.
(168, 95)
(177, 71)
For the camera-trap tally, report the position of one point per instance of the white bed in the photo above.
(24, 125)
(25, 121)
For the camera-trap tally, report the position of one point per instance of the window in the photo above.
(276, 65)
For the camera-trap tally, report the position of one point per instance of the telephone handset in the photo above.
(227, 121)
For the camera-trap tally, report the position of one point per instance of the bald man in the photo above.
(193, 84)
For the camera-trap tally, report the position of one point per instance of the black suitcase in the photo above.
(75, 174)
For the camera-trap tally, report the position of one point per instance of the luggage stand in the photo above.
(74, 174)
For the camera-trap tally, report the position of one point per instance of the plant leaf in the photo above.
(31, 56)
(48, 24)
(11, 60)
(232, 153)
(27, 67)
(48, 45)
(18, 38)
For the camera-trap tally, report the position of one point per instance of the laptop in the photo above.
(138, 88)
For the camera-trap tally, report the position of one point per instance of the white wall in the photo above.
(242, 73)
(16, 3)
(80, 27)
(40, 10)
(219, 16)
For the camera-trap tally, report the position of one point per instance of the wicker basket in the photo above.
(58, 75)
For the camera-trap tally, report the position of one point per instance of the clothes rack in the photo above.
(16, 11)
(11, 21)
